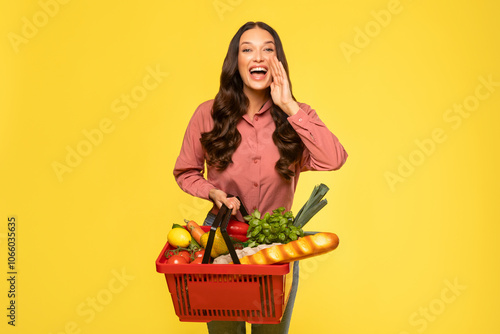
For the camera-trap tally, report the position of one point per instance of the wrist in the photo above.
(291, 108)
(211, 193)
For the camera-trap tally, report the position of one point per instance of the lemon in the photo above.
(179, 237)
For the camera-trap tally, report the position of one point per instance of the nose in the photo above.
(258, 56)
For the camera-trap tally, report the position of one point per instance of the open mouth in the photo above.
(258, 72)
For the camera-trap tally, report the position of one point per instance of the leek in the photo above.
(312, 206)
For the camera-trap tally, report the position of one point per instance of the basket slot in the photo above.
(187, 278)
(262, 293)
(268, 296)
(173, 283)
(271, 295)
(180, 297)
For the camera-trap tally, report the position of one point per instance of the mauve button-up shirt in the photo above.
(252, 175)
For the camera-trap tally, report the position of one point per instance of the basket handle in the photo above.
(221, 220)
(243, 210)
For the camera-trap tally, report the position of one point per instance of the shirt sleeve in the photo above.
(189, 166)
(323, 151)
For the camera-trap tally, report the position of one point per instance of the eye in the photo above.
(246, 50)
(269, 49)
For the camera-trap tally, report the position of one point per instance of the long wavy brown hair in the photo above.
(230, 104)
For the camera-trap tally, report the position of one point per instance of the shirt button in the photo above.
(256, 161)
(256, 118)
(300, 119)
(255, 184)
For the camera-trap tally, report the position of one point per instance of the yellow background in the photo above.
(401, 245)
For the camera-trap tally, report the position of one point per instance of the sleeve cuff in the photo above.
(300, 119)
(204, 192)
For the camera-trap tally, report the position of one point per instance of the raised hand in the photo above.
(280, 88)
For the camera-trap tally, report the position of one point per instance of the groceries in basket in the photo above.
(271, 238)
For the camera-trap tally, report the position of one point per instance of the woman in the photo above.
(255, 139)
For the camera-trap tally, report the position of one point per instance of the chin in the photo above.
(258, 86)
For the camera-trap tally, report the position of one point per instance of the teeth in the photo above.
(258, 69)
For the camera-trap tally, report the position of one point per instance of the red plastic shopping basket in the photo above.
(228, 292)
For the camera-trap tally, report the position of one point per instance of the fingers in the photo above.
(275, 71)
(232, 203)
(236, 207)
(283, 70)
(220, 197)
(272, 68)
(278, 71)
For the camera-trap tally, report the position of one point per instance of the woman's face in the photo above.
(255, 49)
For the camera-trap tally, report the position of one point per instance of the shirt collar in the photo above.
(262, 110)
(266, 106)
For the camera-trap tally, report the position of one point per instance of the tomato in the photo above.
(197, 260)
(185, 255)
(200, 254)
(177, 259)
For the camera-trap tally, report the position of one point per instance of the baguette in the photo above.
(308, 246)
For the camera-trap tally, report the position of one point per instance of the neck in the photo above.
(256, 101)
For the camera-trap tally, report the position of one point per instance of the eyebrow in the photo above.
(266, 42)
